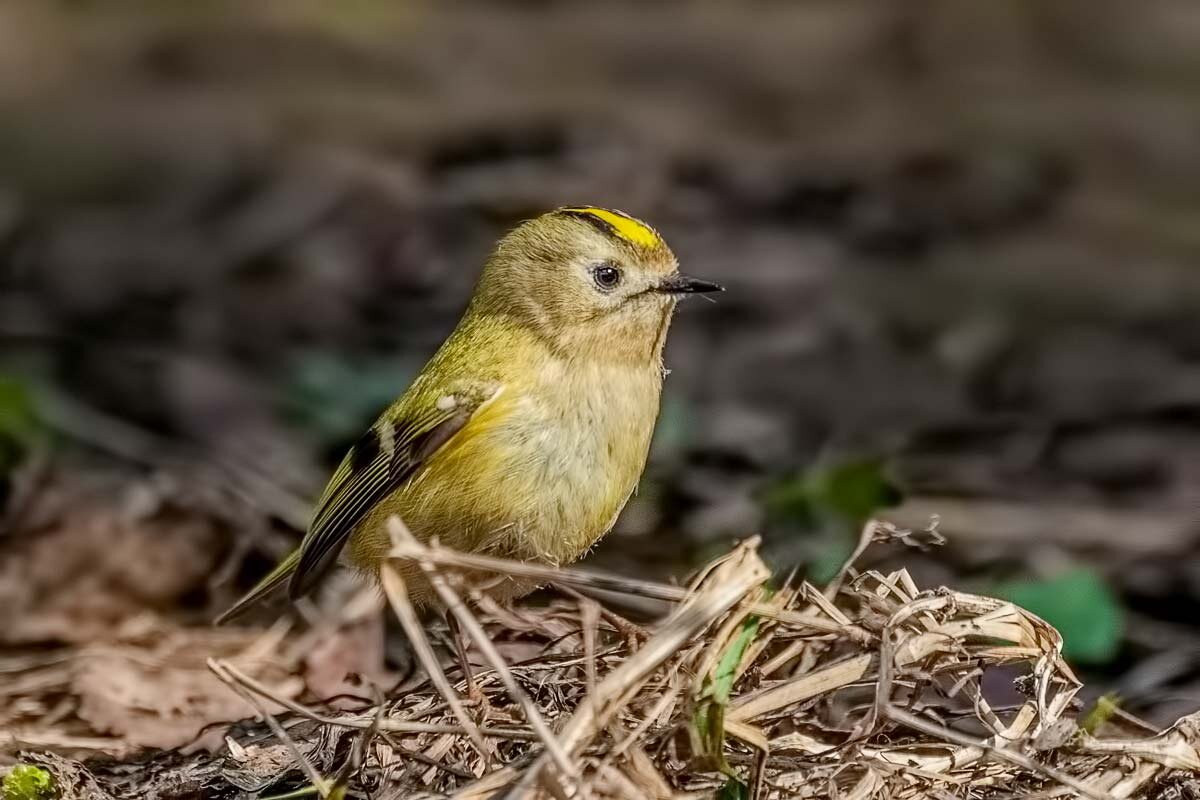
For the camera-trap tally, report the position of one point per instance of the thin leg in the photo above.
(474, 693)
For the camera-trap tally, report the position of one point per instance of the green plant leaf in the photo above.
(1080, 605)
(27, 782)
(734, 789)
(17, 416)
(727, 668)
(305, 791)
(854, 490)
(20, 429)
(825, 509)
(709, 720)
(1106, 707)
(851, 492)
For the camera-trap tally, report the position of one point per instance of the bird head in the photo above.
(588, 279)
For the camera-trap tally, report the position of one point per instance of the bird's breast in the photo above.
(544, 471)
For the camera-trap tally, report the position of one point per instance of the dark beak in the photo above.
(684, 284)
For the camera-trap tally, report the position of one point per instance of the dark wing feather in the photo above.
(266, 586)
(382, 460)
(378, 464)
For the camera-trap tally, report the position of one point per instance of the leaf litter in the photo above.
(871, 688)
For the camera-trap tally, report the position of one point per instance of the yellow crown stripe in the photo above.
(623, 225)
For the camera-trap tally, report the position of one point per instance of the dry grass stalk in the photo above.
(322, 786)
(840, 692)
(400, 534)
(594, 579)
(397, 595)
(917, 656)
(879, 689)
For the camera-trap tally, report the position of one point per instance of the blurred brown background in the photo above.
(959, 241)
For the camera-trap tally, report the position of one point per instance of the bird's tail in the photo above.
(267, 585)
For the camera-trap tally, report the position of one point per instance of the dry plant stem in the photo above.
(614, 702)
(456, 607)
(883, 685)
(864, 541)
(792, 650)
(1135, 722)
(617, 783)
(218, 668)
(397, 594)
(442, 557)
(487, 787)
(803, 688)
(640, 766)
(424, 759)
(56, 741)
(1169, 748)
(1003, 753)
(740, 575)
(589, 621)
(384, 724)
(357, 754)
(667, 700)
(632, 633)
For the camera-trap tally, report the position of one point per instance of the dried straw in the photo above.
(870, 687)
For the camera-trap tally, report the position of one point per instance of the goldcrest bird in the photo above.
(527, 432)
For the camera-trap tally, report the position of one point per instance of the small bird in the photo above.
(528, 430)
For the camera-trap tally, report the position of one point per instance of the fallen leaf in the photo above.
(348, 661)
(164, 696)
(75, 580)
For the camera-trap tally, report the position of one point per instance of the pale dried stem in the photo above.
(730, 584)
(1002, 753)
(397, 594)
(401, 534)
(802, 688)
(601, 580)
(220, 669)
(384, 723)
(865, 537)
(877, 634)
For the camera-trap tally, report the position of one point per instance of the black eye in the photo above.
(606, 276)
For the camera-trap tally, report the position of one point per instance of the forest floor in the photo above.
(959, 247)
